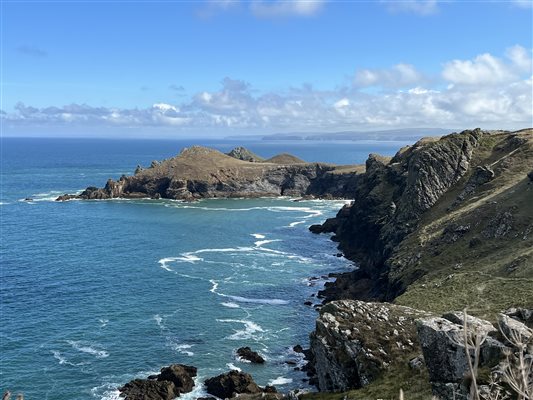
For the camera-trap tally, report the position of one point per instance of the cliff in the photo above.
(200, 172)
(446, 215)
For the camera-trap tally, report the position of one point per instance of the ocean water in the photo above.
(96, 293)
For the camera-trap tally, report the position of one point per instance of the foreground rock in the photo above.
(199, 172)
(443, 344)
(355, 342)
(169, 384)
(231, 384)
(247, 353)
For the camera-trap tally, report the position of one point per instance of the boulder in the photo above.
(443, 346)
(145, 389)
(231, 384)
(247, 353)
(169, 384)
(513, 328)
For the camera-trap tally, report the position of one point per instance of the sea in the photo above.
(96, 293)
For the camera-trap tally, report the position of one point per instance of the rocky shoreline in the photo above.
(444, 224)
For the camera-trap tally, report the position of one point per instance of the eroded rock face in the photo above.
(389, 199)
(230, 384)
(443, 344)
(354, 342)
(169, 384)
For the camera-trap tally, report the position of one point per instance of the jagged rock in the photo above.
(530, 175)
(144, 389)
(499, 226)
(230, 384)
(510, 327)
(481, 175)
(242, 153)
(354, 342)
(443, 345)
(388, 202)
(250, 355)
(454, 232)
(169, 384)
(523, 315)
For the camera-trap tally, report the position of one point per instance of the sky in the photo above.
(178, 69)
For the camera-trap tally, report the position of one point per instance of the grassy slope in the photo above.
(484, 273)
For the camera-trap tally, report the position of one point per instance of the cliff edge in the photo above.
(444, 224)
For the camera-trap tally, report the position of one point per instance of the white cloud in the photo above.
(400, 75)
(486, 91)
(420, 7)
(286, 8)
(488, 69)
(519, 57)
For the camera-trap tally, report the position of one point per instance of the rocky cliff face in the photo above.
(355, 342)
(452, 205)
(199, 172)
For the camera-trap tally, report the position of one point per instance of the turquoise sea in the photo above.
(96, 293)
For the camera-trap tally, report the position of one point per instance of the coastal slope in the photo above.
(200, 172)
(444, 224)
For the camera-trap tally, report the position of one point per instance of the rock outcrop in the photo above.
(231, 384)
(355, 342)
(199, 172)
(446, 205)
(248, 354)
(169, 384)
(444, 342)
(242, 153)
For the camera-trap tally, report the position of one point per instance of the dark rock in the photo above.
(308, 303)
(298, 349)
(250, 355)
(169, 384)
(64, 197)
(474, 242)
(30, 199)
(230, 384)
(143, 389)
(530, 175)
(270, 389)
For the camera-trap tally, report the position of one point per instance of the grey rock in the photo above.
(445, 356)
(417, 362)
(510, 327)
(354, 342)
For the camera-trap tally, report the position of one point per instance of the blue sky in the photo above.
(175, 69)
